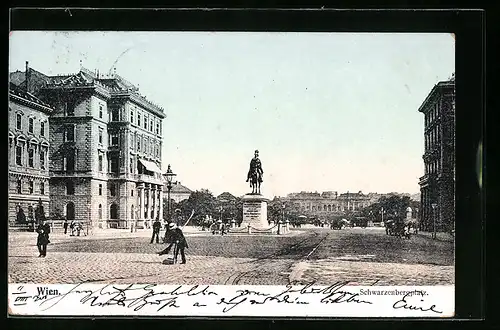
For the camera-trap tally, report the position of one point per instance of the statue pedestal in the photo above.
(255, 211)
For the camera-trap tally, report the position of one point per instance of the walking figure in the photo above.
(156, 231)
(43, 231)
(65, 225)
(175, 237)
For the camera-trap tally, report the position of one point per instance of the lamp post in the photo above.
(170, 175)
(434, 206)
(382, 214)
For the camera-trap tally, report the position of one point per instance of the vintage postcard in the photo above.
(231, 174)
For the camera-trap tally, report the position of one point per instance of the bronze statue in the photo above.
(255, 173)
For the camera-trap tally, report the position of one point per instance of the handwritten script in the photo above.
(154, 298)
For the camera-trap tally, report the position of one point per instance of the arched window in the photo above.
(329, 208)
(113, 211)
(324, 207)
(100, 211)
(70, 211)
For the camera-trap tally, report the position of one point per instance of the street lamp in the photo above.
(434, 206)
(170, 175)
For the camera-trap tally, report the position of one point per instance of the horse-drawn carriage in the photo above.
(399, 227)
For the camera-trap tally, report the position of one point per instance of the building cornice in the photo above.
(31, 104)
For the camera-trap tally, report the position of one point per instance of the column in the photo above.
(153, 204)
(141, 203)
(161, 202)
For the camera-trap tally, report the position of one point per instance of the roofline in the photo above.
(34, 104)
(439, 85)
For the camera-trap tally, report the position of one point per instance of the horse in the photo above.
(255, 181)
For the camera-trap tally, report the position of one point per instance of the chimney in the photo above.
(27, 77)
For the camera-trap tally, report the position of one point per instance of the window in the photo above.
(132, 212)
(69, 161)
(19, 121)
(42, 188)
(138, 143)
(145, 122)
(114, 139)
(131, 116)
(70, 108)
(100, 135)
(31, 154)
(42, 128)
(131, 165)
(100, 110)
(100, 211)
(70, 188)
(19, 155)
(115, 114)
(70, 134)
(31, 124)
(42, 159)
(112, 190)
(31, 185)
(100, 163)
(100, 189)
(138, 119)
(19, 186)
(157, 128)
(132, 192)
(151, 125)
(114, 165)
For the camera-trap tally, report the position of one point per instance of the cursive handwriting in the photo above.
(402, 303)
(130, 296)
(329, 295)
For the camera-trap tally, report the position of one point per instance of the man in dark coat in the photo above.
(65, 225)
(175, 236)
(156, 231)
(43, 231)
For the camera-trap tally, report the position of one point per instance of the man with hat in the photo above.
(175, 236)
(156, 231)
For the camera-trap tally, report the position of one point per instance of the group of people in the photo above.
(74, 226)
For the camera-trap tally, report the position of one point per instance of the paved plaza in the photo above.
(362, 256)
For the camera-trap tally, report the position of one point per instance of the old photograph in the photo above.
(305, 164)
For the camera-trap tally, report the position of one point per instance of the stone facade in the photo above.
(437, 185)
(28, 153)
(330, 202)
(105, 155)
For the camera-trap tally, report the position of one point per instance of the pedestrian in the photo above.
(65, 225)
(175, 236)
(72, 227)
(43, 231)
(156, 231)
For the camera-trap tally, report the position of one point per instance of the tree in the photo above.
(202, 202)
(394, 206)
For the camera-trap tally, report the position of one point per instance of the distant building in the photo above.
(27, 154)
(437, 185)
(105, 155)
(330, 202)
(226, 197)
(178, 192)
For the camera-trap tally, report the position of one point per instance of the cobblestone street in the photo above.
(362, 256)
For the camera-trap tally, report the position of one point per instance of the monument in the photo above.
(254, 204)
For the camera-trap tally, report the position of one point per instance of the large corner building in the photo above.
(437, 185)
(105, 148)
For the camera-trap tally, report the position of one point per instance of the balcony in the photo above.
(155, 178)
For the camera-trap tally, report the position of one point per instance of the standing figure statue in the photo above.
(255, 173)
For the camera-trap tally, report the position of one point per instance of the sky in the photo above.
(327, 111)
